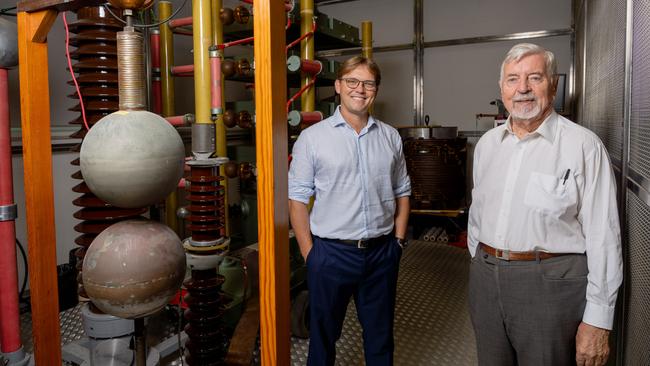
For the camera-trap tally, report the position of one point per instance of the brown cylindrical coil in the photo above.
(130, 63)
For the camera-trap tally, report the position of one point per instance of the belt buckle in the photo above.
(362, 244)
(502, 254)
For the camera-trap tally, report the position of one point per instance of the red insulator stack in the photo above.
(208, 341)
(96, 68)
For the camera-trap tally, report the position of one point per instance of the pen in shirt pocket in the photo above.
(566, 176)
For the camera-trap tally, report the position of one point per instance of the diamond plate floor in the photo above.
(432, 325)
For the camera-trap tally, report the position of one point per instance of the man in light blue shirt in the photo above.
(353, 164)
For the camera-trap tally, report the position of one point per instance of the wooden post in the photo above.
(272, 186)
(39, 196)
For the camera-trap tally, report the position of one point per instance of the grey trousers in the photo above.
(527, 312)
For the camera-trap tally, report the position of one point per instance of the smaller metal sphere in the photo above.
(242, 15)
(228, 67)
(245, 120)
(8, 44)
(227, 16)
(231, 169)
(230, 118)
(133, 268)
(183, 212)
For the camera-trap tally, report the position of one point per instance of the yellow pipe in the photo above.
(308, 98)
(366, 39)
(220, 128)
(202, 38)
(167, 92)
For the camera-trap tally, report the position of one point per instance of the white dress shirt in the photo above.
(552, 191)
(356, 178)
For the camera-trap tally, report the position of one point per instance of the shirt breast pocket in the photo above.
(549, 194)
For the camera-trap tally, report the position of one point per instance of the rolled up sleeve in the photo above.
(402, 186)
(301, 171)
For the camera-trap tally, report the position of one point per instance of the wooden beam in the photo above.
(39, 196)
(59, 5)
(272, 186)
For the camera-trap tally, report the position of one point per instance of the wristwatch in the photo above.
(403, 243)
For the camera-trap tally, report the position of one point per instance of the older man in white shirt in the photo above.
(543, 229)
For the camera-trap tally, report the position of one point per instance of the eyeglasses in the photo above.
(352, 83)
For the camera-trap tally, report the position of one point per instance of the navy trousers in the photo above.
(335, 273)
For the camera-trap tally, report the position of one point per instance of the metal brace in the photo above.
(8, 212)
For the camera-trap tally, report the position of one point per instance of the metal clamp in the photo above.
(8, 212)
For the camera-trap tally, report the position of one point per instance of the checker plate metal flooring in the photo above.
(432, 325)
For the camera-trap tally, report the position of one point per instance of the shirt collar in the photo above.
(338, 120)
(547, 129)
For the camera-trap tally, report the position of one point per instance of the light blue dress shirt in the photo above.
(355, 178)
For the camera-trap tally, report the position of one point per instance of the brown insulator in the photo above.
(242, 14)
(231, 169)
(206, 221)
(228, 67)
(244, 67)
(230, 118)
(227, 16)
(245, 120)
(208, 340)
(94, 35)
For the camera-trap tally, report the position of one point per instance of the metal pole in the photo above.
(308, 98)
(418, 54)
(202, 129)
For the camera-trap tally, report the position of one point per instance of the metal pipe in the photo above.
(296, 117)
(182, 69)
(366, 39)
(178, 121)
(9, 319)
(452, 42)
(308, 97)
(418, 54)
(203, 128)
(295, 64)
(167, 95)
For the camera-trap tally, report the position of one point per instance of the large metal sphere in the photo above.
(131, 4)
(133, 268)
(8, 44)
(132, 158)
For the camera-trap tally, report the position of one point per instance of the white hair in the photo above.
(521, 50)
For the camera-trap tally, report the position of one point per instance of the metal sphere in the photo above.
(227, 16)
(132, 159)
(133, 268)
(8, 44)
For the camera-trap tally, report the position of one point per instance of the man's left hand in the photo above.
(592, 345)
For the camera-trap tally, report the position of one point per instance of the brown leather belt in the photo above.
(518, 256)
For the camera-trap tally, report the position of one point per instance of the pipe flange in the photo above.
(9, 212)
(205, 162)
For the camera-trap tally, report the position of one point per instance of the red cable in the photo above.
(74, 79)
(234, 43)
(300, 92)
(308, 34)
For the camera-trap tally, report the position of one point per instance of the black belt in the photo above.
(363, 243)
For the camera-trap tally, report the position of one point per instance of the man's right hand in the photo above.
(592, 347)
(305, 251)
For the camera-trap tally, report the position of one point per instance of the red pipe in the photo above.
(180, 22)
(215, 83)
(156, 95)
(182, 120)
(9, 315)
(311, 117)
(311, 67)
(156, 91)
(182, 69)
(154, 41)
(302, 90)
(235, 43)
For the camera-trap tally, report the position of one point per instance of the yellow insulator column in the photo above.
(167, 93)
(308, 98)
(366, 39)
(220, 128)
(202, 130)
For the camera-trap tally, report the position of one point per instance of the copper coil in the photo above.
(437, 171)
(208, 340)
(130, 58)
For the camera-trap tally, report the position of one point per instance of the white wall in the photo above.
(459, 81)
